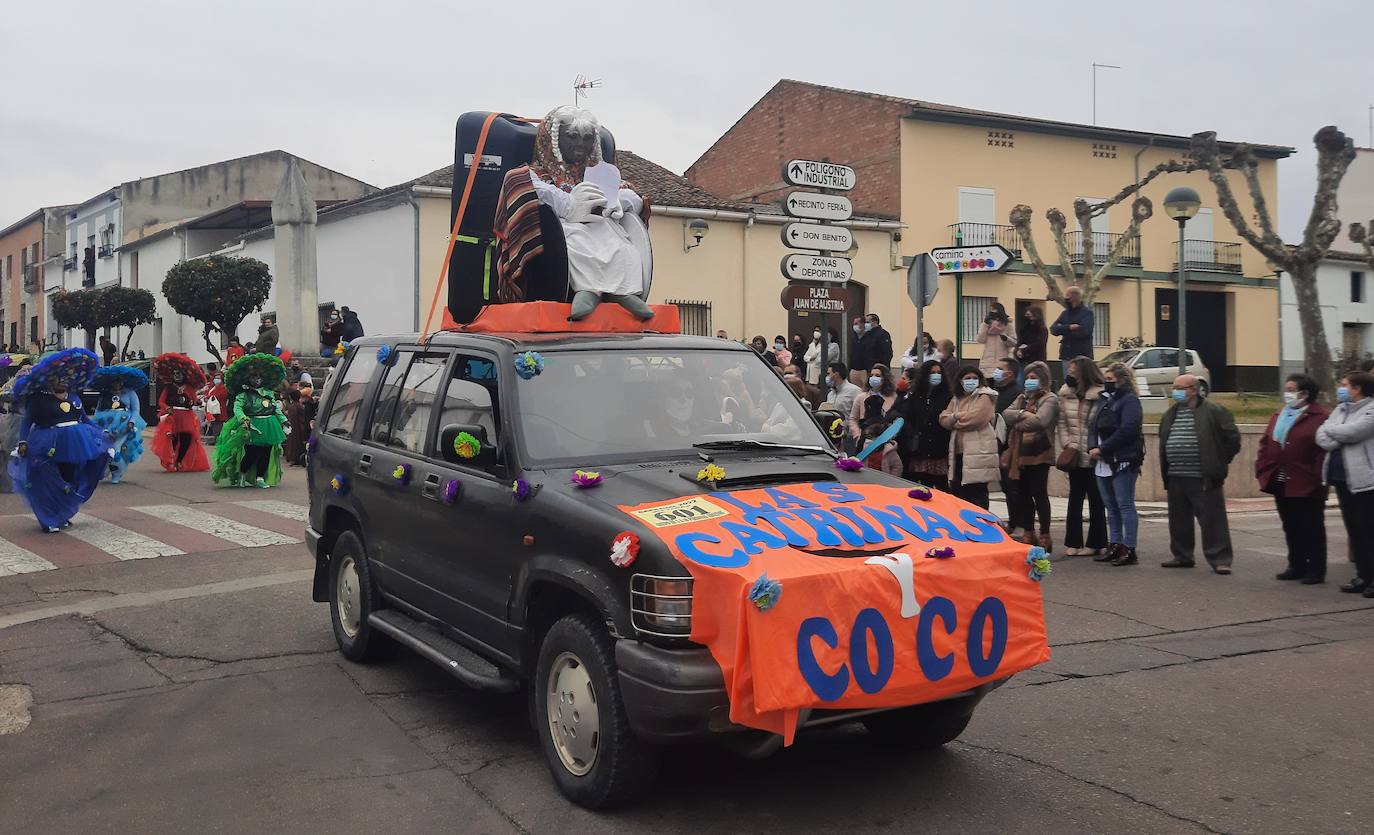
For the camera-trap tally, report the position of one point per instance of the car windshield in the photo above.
(1122, 357)
(588, 407)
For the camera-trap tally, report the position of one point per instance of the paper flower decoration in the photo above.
(585, 478)
(837, 428)
(451, 490)
(466, 445)
(522, 489)
(339, 484)
(6, 360)
(624, 549)
(311, 445)
(920, 493)
(1039, 563)
(848, 464)
(340, 348)
(528, 365)
(940, 553)
(401, 474)
(765, 592)
(711, 473)
(383, 354)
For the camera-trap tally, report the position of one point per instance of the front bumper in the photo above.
(670, 694)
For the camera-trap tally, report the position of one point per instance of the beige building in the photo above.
(952, 175)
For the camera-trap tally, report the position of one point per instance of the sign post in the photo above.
(922, 283)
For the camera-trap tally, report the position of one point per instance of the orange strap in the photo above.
(457, 221)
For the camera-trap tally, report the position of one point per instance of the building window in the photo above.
(696, 316)
(1102, 325)
(1357, 287)
(33, 329)
(33, 256)
(23, 320)
(974, 309)
(133, 269)
(73, 252)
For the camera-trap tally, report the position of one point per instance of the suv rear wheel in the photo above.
(352, 597)
(922, 726)
(594, 757)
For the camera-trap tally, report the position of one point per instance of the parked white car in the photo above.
(1155, 368)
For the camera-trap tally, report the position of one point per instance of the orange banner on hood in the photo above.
(860, 616)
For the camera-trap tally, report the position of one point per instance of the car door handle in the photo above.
(365, 464)
(430, 489)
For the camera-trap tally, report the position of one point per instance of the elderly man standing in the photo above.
(1197, 440)
(1074, 327)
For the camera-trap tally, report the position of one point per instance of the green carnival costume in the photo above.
(248, 451)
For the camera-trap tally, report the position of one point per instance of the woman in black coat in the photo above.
(924, 441)
(1033, 336)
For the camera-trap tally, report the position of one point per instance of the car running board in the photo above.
(460, 662)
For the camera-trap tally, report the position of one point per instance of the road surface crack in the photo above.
(1095, 784)
(1191, 630)
(1105, 612)
(1185, 661)
(143, 649)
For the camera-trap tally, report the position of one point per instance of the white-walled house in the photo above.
(1346, 293)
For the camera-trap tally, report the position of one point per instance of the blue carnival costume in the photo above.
(61, 455)
(118, 414)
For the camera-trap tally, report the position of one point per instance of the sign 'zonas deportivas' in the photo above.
(816, 174)
(798, 267)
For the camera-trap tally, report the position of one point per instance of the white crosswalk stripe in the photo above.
(16, 560)
(116, 541)
(285, 509)
(244, 535)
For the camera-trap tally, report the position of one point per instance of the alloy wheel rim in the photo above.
(574, 719)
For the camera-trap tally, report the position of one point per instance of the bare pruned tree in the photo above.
(1335, 151)
(1093, 273)
(1363, 234)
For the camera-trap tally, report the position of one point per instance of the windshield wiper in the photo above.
(749, 443)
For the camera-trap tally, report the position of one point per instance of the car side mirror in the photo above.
(485, 455)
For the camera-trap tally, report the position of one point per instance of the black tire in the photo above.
(621, 767)
(365, 644)
(920, 727)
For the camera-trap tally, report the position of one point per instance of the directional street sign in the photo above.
(972, 259)
(798, 267)
(815, 298)
(817, 236)
(814, 174)
(818, 206)
(922, 280)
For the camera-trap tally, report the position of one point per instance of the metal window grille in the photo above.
(975, 308)
(695, 316)
(1102, 325)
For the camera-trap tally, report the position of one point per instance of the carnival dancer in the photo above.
(118, 414)
(177, 440)
(248, 452)
(61, 455)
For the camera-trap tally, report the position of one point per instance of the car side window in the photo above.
(409, 422)
(348, 399)
(380, 430)
(1166, 358)
(470, 397)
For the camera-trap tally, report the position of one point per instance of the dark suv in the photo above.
(442, 518)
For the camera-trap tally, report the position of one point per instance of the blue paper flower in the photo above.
(383, 354)
(528, 365)
(339, 484)
(1039, 563)
(765, 592)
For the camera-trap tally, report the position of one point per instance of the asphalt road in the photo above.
(200, 691)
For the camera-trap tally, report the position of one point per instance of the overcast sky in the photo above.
(100, 93)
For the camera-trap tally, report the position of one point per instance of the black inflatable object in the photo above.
(472, 280)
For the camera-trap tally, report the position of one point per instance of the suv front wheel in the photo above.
(594, 757)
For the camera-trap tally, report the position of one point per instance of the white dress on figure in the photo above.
(605, 255)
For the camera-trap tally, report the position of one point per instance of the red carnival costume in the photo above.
(176, 441)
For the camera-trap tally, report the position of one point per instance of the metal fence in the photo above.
(695, 316)
(1210, 256)
(985, 234)
(1102, 246)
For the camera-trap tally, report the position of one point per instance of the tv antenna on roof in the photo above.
(581, 85)
(1096, 67)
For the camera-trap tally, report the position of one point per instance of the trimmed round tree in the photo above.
(78, 309)
(218, 292)
(125, 307)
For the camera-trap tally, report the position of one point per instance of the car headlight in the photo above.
(661, 605)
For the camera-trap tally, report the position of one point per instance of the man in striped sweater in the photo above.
(1197, 440)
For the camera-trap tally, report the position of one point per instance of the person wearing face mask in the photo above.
(781, 356)
(922, 349)
(330, 334)
(1006, 382)
(861, 414)
(215, 396)
(1289, 467)
(760, 346)
(1030, 422)
(842, 396)
(1348, 438)
(973, 459)
(1033, 336)
(798, 349)
(997, 335)
(811, 359)
(1074, 327)
(924, 441)
(1117, 449)
(1197, 440)
(1079, 398)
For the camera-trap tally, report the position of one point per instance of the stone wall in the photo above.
(1240, 483)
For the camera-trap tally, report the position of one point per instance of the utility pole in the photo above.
(581, 85)
(1096, 67)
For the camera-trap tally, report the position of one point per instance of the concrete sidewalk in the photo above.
(1059, 507)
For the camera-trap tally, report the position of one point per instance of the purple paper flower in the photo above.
(311, 445)
(451, 491)
(765, 592)
(522, 489)
(585, 478)
(848, 464)
(940, 553)
(920, 492)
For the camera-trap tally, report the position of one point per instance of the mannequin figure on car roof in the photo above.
(606, 234)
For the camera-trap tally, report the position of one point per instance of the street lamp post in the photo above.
(1181, 204)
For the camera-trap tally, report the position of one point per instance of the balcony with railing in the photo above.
(105, 251)
(986, 234)
(69, 264)
(1210, 257)
(1102, 247)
